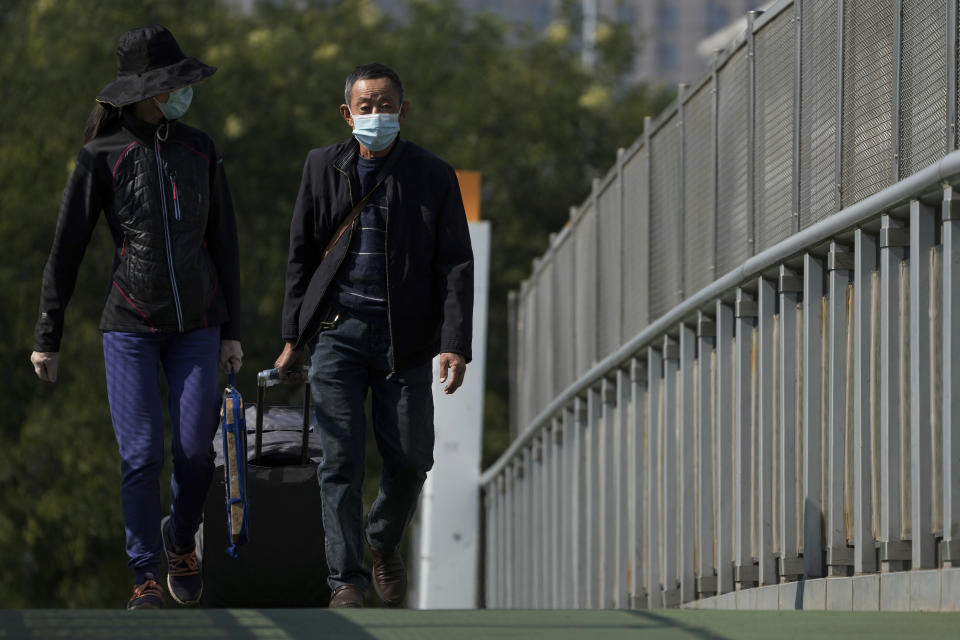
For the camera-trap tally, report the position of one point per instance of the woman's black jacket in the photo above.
(429, 257)
(167, 203)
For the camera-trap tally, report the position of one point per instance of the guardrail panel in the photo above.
(698, 189)
(868, 89)
(665, 264)
(564, 315)
(818, 110)
(923, 92)
(544, 339)
(732, 87)
(585, 278)
(773, 186)
(610, 265)
(636, 243)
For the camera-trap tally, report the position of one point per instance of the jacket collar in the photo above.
(347, 159)
(143, 131)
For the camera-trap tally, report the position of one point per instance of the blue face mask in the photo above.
(177, 104)
(376, 131)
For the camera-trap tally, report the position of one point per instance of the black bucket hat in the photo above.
(150, 62)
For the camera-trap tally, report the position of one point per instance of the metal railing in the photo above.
(737, 364)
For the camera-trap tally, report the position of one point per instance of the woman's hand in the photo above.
(45, 364)
(231, 356)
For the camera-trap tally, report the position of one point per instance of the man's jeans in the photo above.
(347, 360)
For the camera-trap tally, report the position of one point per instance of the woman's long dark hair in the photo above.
(100, 119)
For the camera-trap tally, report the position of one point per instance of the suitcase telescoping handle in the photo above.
(269, 378)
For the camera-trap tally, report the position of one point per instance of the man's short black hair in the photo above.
(371, 71)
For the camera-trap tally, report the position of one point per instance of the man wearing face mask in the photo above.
(379, 281)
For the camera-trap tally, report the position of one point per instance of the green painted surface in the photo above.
(385, 624)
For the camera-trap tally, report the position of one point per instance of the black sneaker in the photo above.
(183, 569)
(147, 595)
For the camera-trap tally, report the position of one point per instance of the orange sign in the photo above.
(470, 191)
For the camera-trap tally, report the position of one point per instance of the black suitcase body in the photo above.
(283, 564)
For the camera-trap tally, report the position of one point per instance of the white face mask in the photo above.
(177, 104)
(376, 131)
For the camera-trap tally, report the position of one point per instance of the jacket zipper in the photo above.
(166, 236)
(176, 201)
(386, 269)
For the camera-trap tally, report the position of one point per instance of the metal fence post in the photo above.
(621, 505)
(893, 240)
(921, 241)
(751, 132)
(654, 429)
(579, 511)
(669, 537)
(952, 76)
(790, 287)
(746, 312)
(838, 166)
(895, 109)
(813, 319)
(681, 207)
(950, 214)
(607, 507)
(706, 577)
(637, 487)
(725, 458)
(765, 486)
(839, 555)
(865, 256)
(685, 469)
(797, 101)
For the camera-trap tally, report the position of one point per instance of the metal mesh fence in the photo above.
(775, 76)
(698, 179)
(564, 299)
(818, 111)
(923, 92)
(635, 243)
(867, 99)
(609, 260)
(665, 226)
(585, 246)
(673, 226)
(732, 246)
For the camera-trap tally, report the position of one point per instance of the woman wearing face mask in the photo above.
(172, 301)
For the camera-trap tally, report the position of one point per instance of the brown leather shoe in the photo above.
(389, 577)
(346, 596)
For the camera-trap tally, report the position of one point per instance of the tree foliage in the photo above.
(513, 104)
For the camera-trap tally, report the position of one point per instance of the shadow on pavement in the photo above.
(278, 624)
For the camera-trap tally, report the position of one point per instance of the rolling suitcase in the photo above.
(282, 563)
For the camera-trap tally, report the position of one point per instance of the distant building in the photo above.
(668, 31)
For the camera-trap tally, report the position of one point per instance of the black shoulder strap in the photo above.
(355, 211)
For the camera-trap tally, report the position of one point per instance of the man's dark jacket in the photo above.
(429, 258)
(166, 201)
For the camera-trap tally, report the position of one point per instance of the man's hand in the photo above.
(45, 364)
(289, 363)
(454, 365)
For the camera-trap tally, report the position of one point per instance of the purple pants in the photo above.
(133, 364)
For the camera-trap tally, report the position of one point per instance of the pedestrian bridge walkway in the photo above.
(370, 624)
